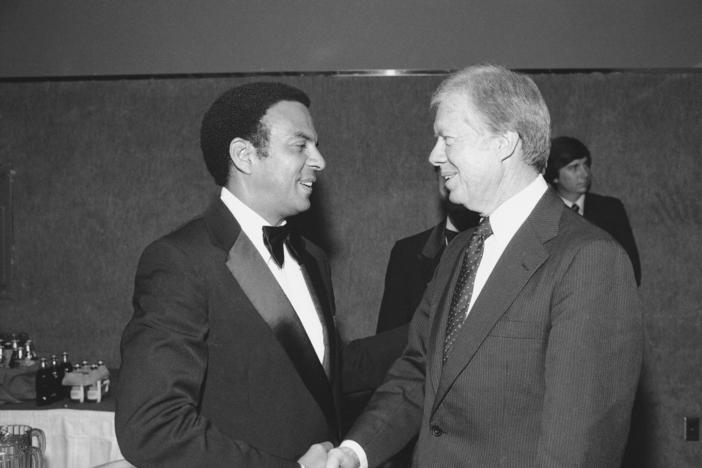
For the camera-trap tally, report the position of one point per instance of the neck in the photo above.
(246, 197)
(512, 183)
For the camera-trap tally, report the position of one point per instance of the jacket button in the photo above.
(436, 431)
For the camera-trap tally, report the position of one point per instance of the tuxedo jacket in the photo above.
(609, 214)
(544, 370)
(217, 369)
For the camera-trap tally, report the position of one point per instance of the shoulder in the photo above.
(415, 242)
(596, 200)
(186, 241)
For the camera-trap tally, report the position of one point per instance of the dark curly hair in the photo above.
(237, 114)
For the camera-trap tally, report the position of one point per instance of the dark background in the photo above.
(100, 105)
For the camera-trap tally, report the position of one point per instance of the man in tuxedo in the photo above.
(569, 170)
(526, 348)
(230, 356)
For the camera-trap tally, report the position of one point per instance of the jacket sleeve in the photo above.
(592, 362)
(394, 413)
(164, 361)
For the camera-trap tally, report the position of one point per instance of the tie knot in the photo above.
(575, 208)
(275, 236)
(484, 229)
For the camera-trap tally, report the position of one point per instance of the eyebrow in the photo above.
(305, 136)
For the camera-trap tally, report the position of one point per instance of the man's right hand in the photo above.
(342, 457)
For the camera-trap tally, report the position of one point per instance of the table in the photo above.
(78, 435)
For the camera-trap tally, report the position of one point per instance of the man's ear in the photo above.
(242, 153)
(507, 144)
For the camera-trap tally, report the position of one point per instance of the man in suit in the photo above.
(230, 356)
(410, 268)
(569, 170)
(526, 348)
(365, 361)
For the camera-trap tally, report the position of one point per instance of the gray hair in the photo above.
(507, 101)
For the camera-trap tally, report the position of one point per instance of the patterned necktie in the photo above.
(275, 236)
(464, 286)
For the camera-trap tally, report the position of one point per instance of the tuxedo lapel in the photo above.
(264, 292)
(522, 257)
(322, 298)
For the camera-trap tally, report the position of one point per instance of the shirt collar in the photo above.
(511, 214)
(580, 202)
(251, 222)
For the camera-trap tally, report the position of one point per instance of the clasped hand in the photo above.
(323, 455)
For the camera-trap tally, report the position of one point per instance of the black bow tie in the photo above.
(275, 236)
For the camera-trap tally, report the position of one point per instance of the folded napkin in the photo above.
(17, 384)
(86, 377)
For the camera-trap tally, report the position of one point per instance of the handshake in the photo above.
(324, 455)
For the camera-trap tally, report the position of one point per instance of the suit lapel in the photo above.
(438, 331)
(522, 257)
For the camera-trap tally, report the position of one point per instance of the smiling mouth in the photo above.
(307, 184)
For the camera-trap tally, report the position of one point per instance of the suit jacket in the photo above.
(609, 214)
(217, 369)
(543, 372)
(411, 266)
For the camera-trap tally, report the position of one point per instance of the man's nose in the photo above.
(316, 160)
(437, 154)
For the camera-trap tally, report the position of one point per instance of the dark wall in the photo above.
(103, 167)
(135, 37)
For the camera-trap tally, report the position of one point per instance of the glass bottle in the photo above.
(15, 358)
(30, 350)
(66, 367)
(45, 385)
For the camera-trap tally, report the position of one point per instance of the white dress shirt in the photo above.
(289, 277)
(505, 221)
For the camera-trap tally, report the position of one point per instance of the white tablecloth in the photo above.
(74, 438)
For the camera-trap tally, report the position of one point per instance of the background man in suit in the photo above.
(526, 348)
(413, 260)
(569, 170)
(230, 356)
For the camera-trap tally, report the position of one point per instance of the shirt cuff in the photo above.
(358, 450)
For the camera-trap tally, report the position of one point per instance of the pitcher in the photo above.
(17, 440)
(11, 456)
